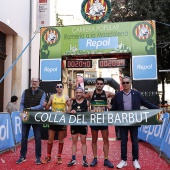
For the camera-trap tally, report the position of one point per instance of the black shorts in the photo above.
(57, 127)
(78, 129)
(97, 128)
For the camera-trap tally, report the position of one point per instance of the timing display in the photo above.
(78, 63)
(110, 63)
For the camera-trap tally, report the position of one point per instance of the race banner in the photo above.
(117, 118)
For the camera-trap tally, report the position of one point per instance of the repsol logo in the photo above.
(4, 131)
(144, 67)
(50, 70)
(155, 130)
(98, 43)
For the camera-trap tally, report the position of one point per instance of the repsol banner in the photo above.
(118, 118)
(117, 37)
(165, 146)
(154, 134)
(6, 134)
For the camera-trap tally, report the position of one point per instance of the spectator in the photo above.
(12, 105)
(32, 99)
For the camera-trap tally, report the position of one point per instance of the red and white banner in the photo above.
(43, 13)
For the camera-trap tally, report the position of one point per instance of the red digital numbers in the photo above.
(78, 63)
(110, 63)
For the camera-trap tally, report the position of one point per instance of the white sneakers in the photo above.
(136, 164)
(124, 163)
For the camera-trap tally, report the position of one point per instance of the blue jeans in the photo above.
(24, 140)
(124, 138)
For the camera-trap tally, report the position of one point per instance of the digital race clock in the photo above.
(110, 63)
(78, 63)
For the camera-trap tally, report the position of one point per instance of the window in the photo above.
(2, 43)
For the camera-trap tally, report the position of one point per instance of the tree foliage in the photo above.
(158, 10)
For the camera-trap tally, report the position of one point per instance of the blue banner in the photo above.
(142, 132)
(6, 134)
(144, 67)
(165, 146)
(17, 127)
(154, 134)
(50, 69)
(98, 43)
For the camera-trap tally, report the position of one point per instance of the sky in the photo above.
(70, 11)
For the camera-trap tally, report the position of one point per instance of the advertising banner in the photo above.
(6, 134)
(144, 67)
(154, 134)
(165, 146)
(118, 118)
(137, 37)
(50, 70)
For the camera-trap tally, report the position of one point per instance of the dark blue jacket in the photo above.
(137, 101)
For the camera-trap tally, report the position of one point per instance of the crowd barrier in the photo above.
(157, 135)
(10, 130)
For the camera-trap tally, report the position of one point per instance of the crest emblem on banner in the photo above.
(51, 36)
(25, 116)
(95, 11)
(143, 31)
(160, 116)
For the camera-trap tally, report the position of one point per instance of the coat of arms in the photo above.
(96, 11)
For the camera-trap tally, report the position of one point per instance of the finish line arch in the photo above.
(137, 38)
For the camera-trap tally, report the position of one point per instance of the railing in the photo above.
(10, 130)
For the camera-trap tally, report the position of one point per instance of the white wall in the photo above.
(15, 14)
(167, 92)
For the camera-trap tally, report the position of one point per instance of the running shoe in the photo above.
(85, 164)
(47, 160)
(38, 161)
(71, 163)
(136, 164)
(121, 164)
(108, 164)
(93, 163)
(21, 160)
(59, 160)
